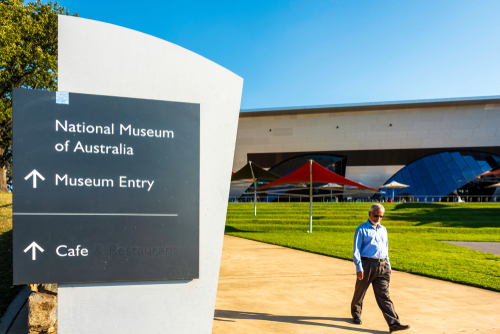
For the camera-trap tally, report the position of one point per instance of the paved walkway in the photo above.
(271, 289)
(488, 247)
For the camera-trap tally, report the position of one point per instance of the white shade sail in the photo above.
(395, 185)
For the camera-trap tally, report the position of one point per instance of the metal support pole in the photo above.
(254, 190)
(311, 196)
(255, 201)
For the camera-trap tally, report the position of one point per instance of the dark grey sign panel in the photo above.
(105, 188)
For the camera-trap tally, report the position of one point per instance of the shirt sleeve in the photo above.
(358, 241)
(387, 245)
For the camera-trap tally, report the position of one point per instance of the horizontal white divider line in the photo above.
(95, 214)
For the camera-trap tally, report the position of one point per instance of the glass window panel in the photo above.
(399, 178)
(435, 174)
(428, 161)
(413, 192)
(455, 171)
(406, 174)
(429, 184)
(422, 192)
(411, 184)
(450, 181)
(440, 174)
(484, 165)
(481, 163)
(416, 178)
(446, 157)
(438, 161)
(422, 168)
(459, 160)
(443, 189)
(469, 176)
(473, 165)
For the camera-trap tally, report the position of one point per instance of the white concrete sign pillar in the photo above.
(103, 59)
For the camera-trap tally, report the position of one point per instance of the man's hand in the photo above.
(359, 275)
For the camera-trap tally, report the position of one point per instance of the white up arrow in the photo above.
(34, 173)
(33, 247)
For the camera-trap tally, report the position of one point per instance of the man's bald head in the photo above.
(376, 213)
(377, 207)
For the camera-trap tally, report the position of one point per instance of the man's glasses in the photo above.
(377, 216)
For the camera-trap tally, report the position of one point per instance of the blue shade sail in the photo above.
(439, 175)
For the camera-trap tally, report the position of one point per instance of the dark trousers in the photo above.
(376, 273)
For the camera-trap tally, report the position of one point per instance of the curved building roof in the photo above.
(387, 105)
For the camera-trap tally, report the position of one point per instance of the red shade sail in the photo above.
(319, 175)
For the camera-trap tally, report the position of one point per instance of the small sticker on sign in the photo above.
(62, 97)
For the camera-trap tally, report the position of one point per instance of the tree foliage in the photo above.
(28, 58)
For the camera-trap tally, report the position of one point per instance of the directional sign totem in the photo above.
(105, 188)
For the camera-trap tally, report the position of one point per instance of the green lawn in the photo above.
(415, 234)
(7, 290)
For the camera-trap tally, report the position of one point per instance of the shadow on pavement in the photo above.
(225, 315)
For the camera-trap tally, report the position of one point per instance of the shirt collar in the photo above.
(369, 223)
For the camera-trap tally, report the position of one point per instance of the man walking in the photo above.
(371, 256)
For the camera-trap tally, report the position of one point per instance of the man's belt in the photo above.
(372, 259)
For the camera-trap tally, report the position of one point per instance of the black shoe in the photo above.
(356, 321)
(398, 327)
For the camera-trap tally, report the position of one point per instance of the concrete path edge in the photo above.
(14, 309)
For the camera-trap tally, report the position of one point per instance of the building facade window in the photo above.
(444, 174)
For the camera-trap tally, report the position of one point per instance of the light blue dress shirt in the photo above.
(370, 242)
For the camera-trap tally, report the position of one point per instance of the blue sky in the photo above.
(300, 53)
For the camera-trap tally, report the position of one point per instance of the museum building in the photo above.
(437, 147)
